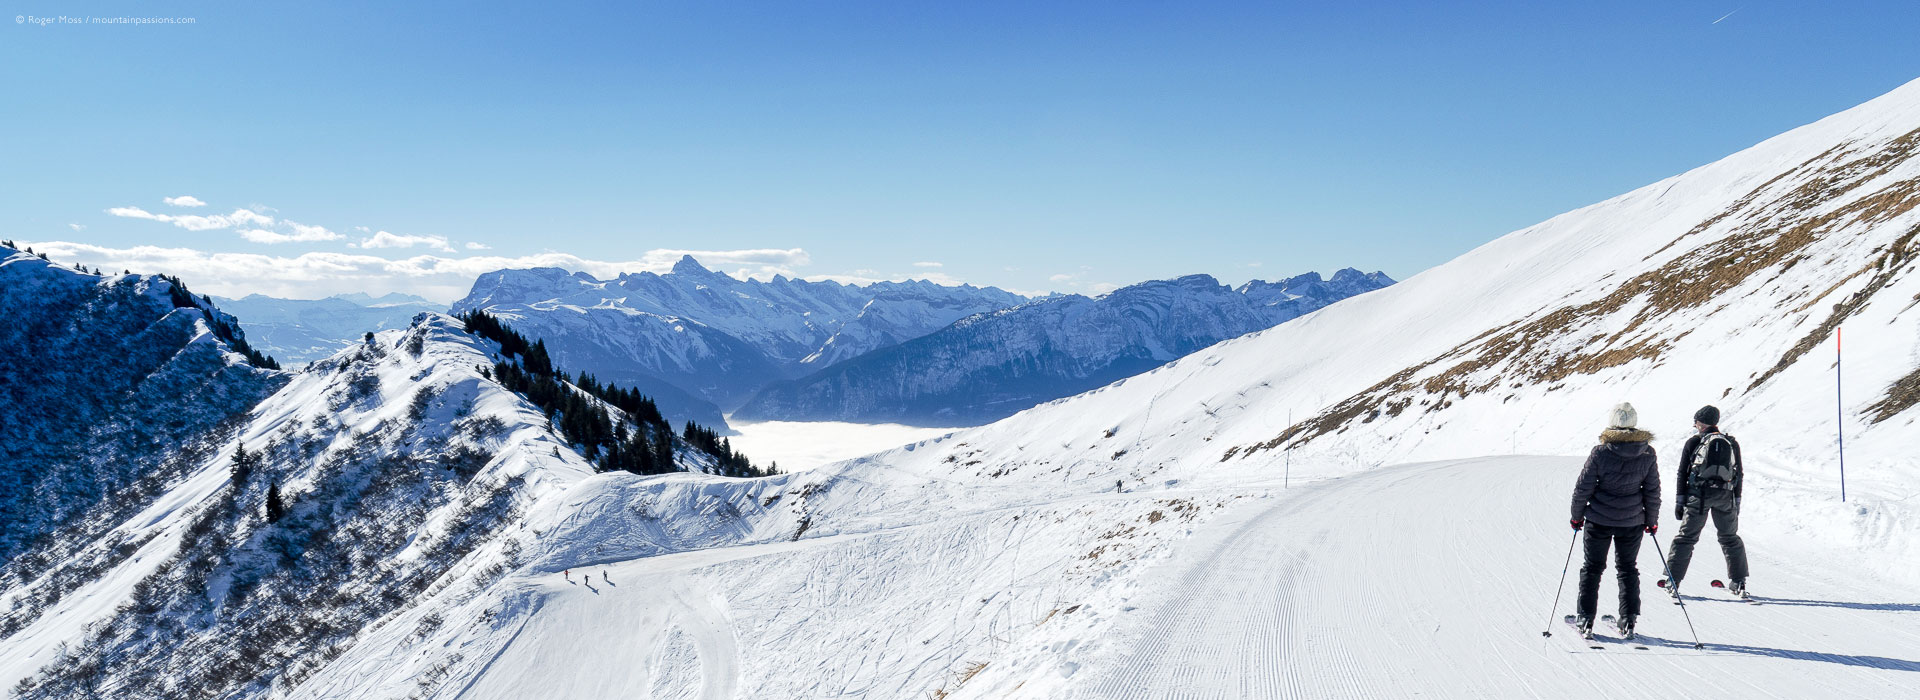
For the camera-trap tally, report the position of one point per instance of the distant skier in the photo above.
(1708, 485)
(1616, 498)
(567, 574)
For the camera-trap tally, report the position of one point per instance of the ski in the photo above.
(1585, 633)
(1743, 595)
(1626, 637)
(1594, 640)
(1672, 591)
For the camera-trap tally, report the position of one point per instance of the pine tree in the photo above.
(663, 451)
(275, 508)
(243, 463)
(536, 360)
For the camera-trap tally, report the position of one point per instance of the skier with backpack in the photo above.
(1616, 499)
(1708, 487)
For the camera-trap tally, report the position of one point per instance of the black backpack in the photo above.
(1714, 465)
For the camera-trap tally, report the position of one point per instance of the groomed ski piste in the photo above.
(1369, 501)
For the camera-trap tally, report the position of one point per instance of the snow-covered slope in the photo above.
(1723, 285)
(991, 365)
(298, 331)
(710, 335)
(101, 376)
(1035, 557)
(406, 472)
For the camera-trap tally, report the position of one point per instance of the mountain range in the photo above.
(992, 365)
(696, 339)
(298, 331)
(912, 352)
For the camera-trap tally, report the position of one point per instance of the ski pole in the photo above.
(1676, 595)
(1548, 632)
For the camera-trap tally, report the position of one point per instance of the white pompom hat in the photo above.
(1623, 416)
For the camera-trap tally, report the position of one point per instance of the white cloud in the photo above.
(301, 233)
(749, 263)
(251, 223)
(319, 274)
(866, 277)
(137, 213)
(77, 227)
(260, 235)
(1078, 282)
(765, 257)
(928, 264)
(383, 239)
(476, 245)
(195, 222)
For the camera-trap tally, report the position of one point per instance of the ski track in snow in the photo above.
(1434, 580)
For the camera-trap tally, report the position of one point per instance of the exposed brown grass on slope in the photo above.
(1774, 234)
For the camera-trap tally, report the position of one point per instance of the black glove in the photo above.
(1577, 523)
(1679, 512)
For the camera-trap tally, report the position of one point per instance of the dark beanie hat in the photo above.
(1708, 415)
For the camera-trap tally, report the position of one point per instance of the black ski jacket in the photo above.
(1620, 484)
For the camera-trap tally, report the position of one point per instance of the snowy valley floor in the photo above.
(797, 445)
(1429, 580)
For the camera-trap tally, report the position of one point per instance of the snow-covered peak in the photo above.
(379, 477)
(690, 267)
(712, 339)
(991, 365)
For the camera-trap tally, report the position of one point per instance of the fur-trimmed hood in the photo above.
(1613, 435)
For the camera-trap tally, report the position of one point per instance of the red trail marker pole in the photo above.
(1840, 415)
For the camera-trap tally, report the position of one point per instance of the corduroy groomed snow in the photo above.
(1623, 416)
(1708, 415)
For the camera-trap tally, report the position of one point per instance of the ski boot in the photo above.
(1583, 625)
(1624, 625)
(1739, 590)
(1672, 588)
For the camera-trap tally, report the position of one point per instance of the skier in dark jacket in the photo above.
(1616, 499)
(1708, 485)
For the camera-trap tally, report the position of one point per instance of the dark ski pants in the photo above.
(1626, 546)
(1726, 522)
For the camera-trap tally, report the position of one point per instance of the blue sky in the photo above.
(1064, 146)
